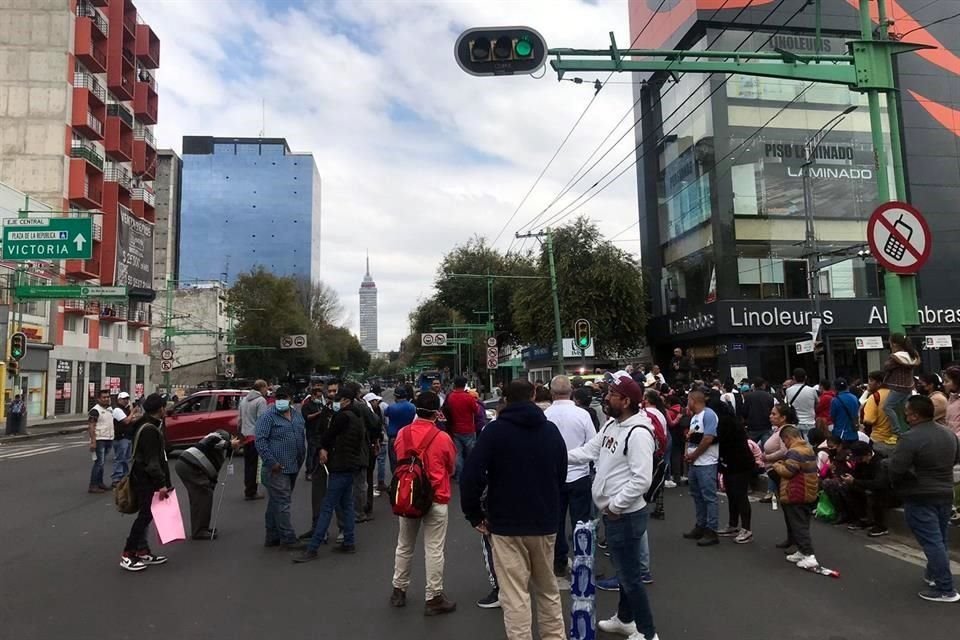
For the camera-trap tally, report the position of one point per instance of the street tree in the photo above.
(597, 281)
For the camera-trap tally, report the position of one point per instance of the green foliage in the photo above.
(596, 281)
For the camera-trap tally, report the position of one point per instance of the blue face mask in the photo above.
(336, 406)
(283, 406)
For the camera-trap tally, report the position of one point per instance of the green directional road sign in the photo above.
(48, 239)
(58, 292)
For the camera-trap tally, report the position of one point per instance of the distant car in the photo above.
(197, 415)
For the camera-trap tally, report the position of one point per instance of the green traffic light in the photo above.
(523, 48)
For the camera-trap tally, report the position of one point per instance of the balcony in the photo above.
(88, 152)
(119, 133)
(121, 176)
(148, 47)
(85, 187)
(140, 317)
(87, 121)
(145, 98)
(121, 73)
(97, 231)
(75, 306)
(113, 312)
(143, 201)
(90, 38)
(89, 87)
(84, 270)
(144, 195)
(144, 155)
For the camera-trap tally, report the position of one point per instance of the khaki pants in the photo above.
(434, 525)
(524, 567)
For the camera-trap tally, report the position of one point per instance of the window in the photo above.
(86, 326)
(196, 404)
(763, 278)
(70, 323)
(133, 334)
(121, 330)
(104, 330)
(226, 403)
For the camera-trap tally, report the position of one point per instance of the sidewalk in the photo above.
(49, 427)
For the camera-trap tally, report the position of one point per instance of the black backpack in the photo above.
(659, 464)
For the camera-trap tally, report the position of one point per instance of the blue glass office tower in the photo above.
(248, 202)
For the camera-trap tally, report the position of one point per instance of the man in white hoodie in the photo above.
(623, 455)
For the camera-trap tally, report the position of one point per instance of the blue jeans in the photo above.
(121, 459)
(339, 497)
(279, 491)
(890, 406)
(382, 466)
(929, 523)
(464, 443)
(96, 473)
(703, 490)
(576, 497)
(625, 538)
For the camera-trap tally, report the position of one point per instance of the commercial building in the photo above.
(248, 202)
(78, 101)
(721, 190)
(166, 242)
(368, 312)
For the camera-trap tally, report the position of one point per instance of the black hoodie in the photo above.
(521, 459)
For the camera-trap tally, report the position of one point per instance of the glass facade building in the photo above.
(248, 202)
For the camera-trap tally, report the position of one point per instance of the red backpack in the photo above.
(411, 494)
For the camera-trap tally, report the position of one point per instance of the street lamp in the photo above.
(809, 209)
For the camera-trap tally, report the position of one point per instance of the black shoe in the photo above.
(307, 535)
(206, 535)
(439, 605)
(709, 539)
(492, 601)
(694, 534)
(345, 548)
(306, 556)
(398, 598)
(659, 514)
(256, 497)
(857, 526)
(296, 545)
(364, 518)
(876, 531)
(786, 544)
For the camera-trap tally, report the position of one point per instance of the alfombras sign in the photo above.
(794, 317)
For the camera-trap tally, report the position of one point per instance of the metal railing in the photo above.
(88, 153)
(87, 10)
(117, 109)
(119, 175)
(94, 123)
(142, 315)
(83, 80)
(74, 305)
(97, 231)
(140, 132)
(142, 193)
(145, 76)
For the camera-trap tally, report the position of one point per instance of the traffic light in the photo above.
(18, 345)
(13, 368)
(582, 334)
(500, 51)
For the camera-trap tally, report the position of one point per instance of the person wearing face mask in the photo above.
(341, 450)
(321, 412)
(281, 443)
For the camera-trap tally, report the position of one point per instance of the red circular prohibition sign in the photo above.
(899, 252)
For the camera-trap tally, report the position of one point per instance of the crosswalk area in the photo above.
(32, 448)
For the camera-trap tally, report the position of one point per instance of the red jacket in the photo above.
(823, 405)
(439, 458)
(460, 408)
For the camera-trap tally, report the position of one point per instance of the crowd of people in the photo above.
(572, 451)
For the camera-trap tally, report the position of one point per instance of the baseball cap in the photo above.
(627, 387)
(123, 395)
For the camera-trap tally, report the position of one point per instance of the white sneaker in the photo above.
(640, 636)
(613, 625)
(795, 557)
(744, 537)
(670, 484)
(809, 562)
(376, 494)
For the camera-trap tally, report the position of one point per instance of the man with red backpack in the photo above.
(420, 492)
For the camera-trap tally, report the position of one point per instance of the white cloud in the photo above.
(415, 155)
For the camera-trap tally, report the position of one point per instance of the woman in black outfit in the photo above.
(737, 465)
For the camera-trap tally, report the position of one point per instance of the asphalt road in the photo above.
(59, 576)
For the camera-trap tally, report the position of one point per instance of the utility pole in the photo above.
(558, 333)
(866, 68)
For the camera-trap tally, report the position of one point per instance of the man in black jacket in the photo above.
(921, 471)
(757, 405)
(321, 413)
(521, 459)
(199, 470)
(149, 474)
(869, 494)
(342, 449)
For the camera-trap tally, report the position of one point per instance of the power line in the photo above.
(927, 26)
(573, 206)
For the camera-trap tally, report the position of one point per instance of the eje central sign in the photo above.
(47, 239)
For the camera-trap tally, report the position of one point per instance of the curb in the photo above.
(41, 432)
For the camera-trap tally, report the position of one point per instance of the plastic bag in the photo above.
(825, 509)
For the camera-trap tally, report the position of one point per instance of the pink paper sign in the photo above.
(167, 518)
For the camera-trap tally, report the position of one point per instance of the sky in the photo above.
(415, 156)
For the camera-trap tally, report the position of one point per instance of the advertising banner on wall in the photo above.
(134, 251)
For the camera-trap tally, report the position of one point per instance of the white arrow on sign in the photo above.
(79, 241)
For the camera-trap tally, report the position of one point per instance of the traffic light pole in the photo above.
(867, 68)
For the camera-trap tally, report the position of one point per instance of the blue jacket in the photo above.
(845, 413)
(281, 440)
(521, 459)
(399, 415)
